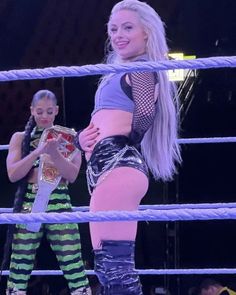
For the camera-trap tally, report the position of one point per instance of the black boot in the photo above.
(118, 263)
(99, 269)
(14, 291)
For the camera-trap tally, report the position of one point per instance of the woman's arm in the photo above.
(144, 96)
(18, 168)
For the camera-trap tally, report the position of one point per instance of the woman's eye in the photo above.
(113, 30)
(50, 113)
(128, 28)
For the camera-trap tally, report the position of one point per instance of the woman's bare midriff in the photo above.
(111, 122)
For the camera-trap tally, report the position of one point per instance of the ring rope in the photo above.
(176, 271)
(4, 147)
(73, 71)
(145, 215)
(156, 207)
(182, 141)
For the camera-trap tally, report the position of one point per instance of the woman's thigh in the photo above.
(122, 189)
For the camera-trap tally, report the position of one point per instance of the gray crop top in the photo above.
(111, 94)
(139, 99)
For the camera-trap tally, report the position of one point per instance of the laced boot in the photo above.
(119, 265)
(99, 268)
(14, 291)
(82, 291)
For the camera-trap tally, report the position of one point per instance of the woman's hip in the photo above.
(110, 153)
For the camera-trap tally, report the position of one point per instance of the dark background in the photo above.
(42, 33)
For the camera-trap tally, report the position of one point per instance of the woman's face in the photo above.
(127, 35)
(44, 112)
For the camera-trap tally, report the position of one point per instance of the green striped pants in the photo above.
(64, 240)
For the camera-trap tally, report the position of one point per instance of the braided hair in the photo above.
(21, 189)
(22, 183)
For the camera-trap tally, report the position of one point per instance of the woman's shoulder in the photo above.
(17, 136)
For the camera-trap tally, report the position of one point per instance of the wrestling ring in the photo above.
(170, 212)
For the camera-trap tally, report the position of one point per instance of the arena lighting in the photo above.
(178, 75)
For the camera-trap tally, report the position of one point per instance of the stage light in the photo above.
(180, 74)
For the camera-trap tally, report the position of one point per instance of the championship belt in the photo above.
(48, 175)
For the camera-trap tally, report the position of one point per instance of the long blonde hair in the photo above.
(159, 146)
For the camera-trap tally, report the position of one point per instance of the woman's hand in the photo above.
(52, 155)
(47, 159)
(49, 147)
(87, 137)
(52, 145)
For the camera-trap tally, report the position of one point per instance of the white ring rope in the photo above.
(145, 215)
(182, 141)
(176, 271)
(156, 207)
(101, 69)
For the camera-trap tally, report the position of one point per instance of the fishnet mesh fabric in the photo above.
(143, 91)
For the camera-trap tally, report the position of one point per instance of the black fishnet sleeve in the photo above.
(143, 91)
